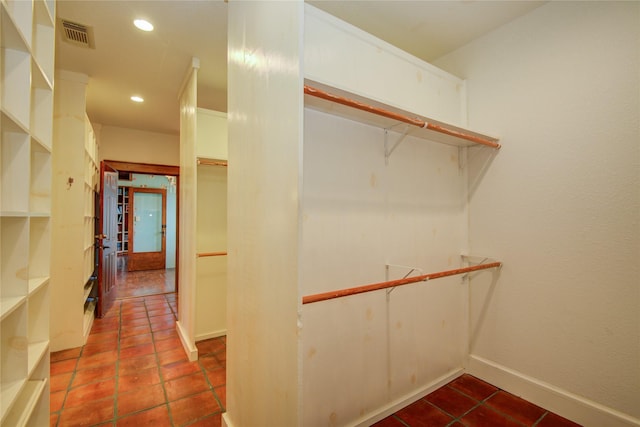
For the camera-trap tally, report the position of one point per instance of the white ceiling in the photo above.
(127, 61)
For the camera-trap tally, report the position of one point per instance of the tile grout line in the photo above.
(540, 419)
(482, 402)
(117, 368)
(160, 374)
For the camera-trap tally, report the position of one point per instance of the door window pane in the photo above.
(147, 222)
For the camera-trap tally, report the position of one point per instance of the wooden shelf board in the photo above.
(39, 145)
(87, 290)
(36, 351)
(40, 214)
(88, 318)
(39, 78)
(9, 304)
(25, 403)
(365, 117)
(36, 283)
(14, 214)
(10, 391)
(42, 14)
(11, 124)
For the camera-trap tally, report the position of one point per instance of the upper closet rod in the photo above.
(393, 283)
(309, 90)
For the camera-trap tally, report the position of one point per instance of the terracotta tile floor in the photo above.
(468, 401)
(133, 371)
(143, 283)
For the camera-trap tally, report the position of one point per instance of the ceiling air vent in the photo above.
(77, 34)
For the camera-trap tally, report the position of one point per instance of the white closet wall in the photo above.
(370, 353)
(75, 178)
(26, 110)
(561, 207)
(211, 240)
(186, 323)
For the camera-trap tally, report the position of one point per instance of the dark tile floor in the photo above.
(471, 402)
(133, 371)
(143, 283)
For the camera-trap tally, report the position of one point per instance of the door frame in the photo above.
(155, 169)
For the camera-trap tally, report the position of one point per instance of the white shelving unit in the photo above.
(76, 181)
(26, 108)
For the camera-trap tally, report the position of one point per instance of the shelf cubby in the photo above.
(41, 108)
(30, 396)
(14, 168)
(14, 256)
(40, 180)
(16, 74)
(13, 360)
(20, 13)
(43, 38)
(39, 248)
(38, 328)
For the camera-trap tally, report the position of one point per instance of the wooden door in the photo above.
(147, 228)
(107, 238)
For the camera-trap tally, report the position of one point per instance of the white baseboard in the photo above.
(562, 402)
(226, 422)
(406, 400)
(189, 348)
(210, 335)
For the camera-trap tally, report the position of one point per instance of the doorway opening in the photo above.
(147, 216)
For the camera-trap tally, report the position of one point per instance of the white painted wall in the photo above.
(265, 152)
(560, 205)
(138, 146)
(211, 236)
(212, 137)
(366, 353)
(67, 207)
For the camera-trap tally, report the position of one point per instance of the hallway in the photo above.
(133, 371)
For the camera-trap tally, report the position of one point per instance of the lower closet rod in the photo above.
(204, 254)
(393, 283)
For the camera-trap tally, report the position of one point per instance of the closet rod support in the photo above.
(387, 150)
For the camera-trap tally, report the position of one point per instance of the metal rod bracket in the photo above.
(387, 143)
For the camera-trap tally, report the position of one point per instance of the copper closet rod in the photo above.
(309, 90)
(393, 283)
(204, 254)
(209, 162)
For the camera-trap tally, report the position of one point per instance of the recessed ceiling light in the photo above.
(143, 25)
(136, 98)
